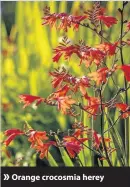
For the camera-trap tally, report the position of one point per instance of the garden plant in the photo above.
(96, 113)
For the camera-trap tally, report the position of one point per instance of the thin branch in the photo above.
(94, 30)
(112, 125)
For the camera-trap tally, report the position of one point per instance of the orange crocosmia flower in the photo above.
(57, 57)
(44, 148)
(65, 21)
(81, 84)
(85, 53)
(75, 83)
(74, 137)
(63, 76)
(128, 26)
(126, 70)
(64, 103)
(93, 105)
(93, 55)
(73, 144)
(12, 134)
(37, 137)
(58, 77)
(98, 140)
(72, 148)
(62, 92)
(67, 51)
(69, 20)
(108, 48)
(78, 133)
(29, 99)
(100, 76)
(125, 109)
(108, 20)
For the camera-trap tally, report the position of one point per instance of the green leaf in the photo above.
(65, 157)
(51, 160)
(64, 154)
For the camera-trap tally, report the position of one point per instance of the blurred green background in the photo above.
(26, 62)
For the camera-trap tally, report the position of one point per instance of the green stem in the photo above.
(102, 131)
(82, 120)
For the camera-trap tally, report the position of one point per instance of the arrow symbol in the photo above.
(6, 177)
